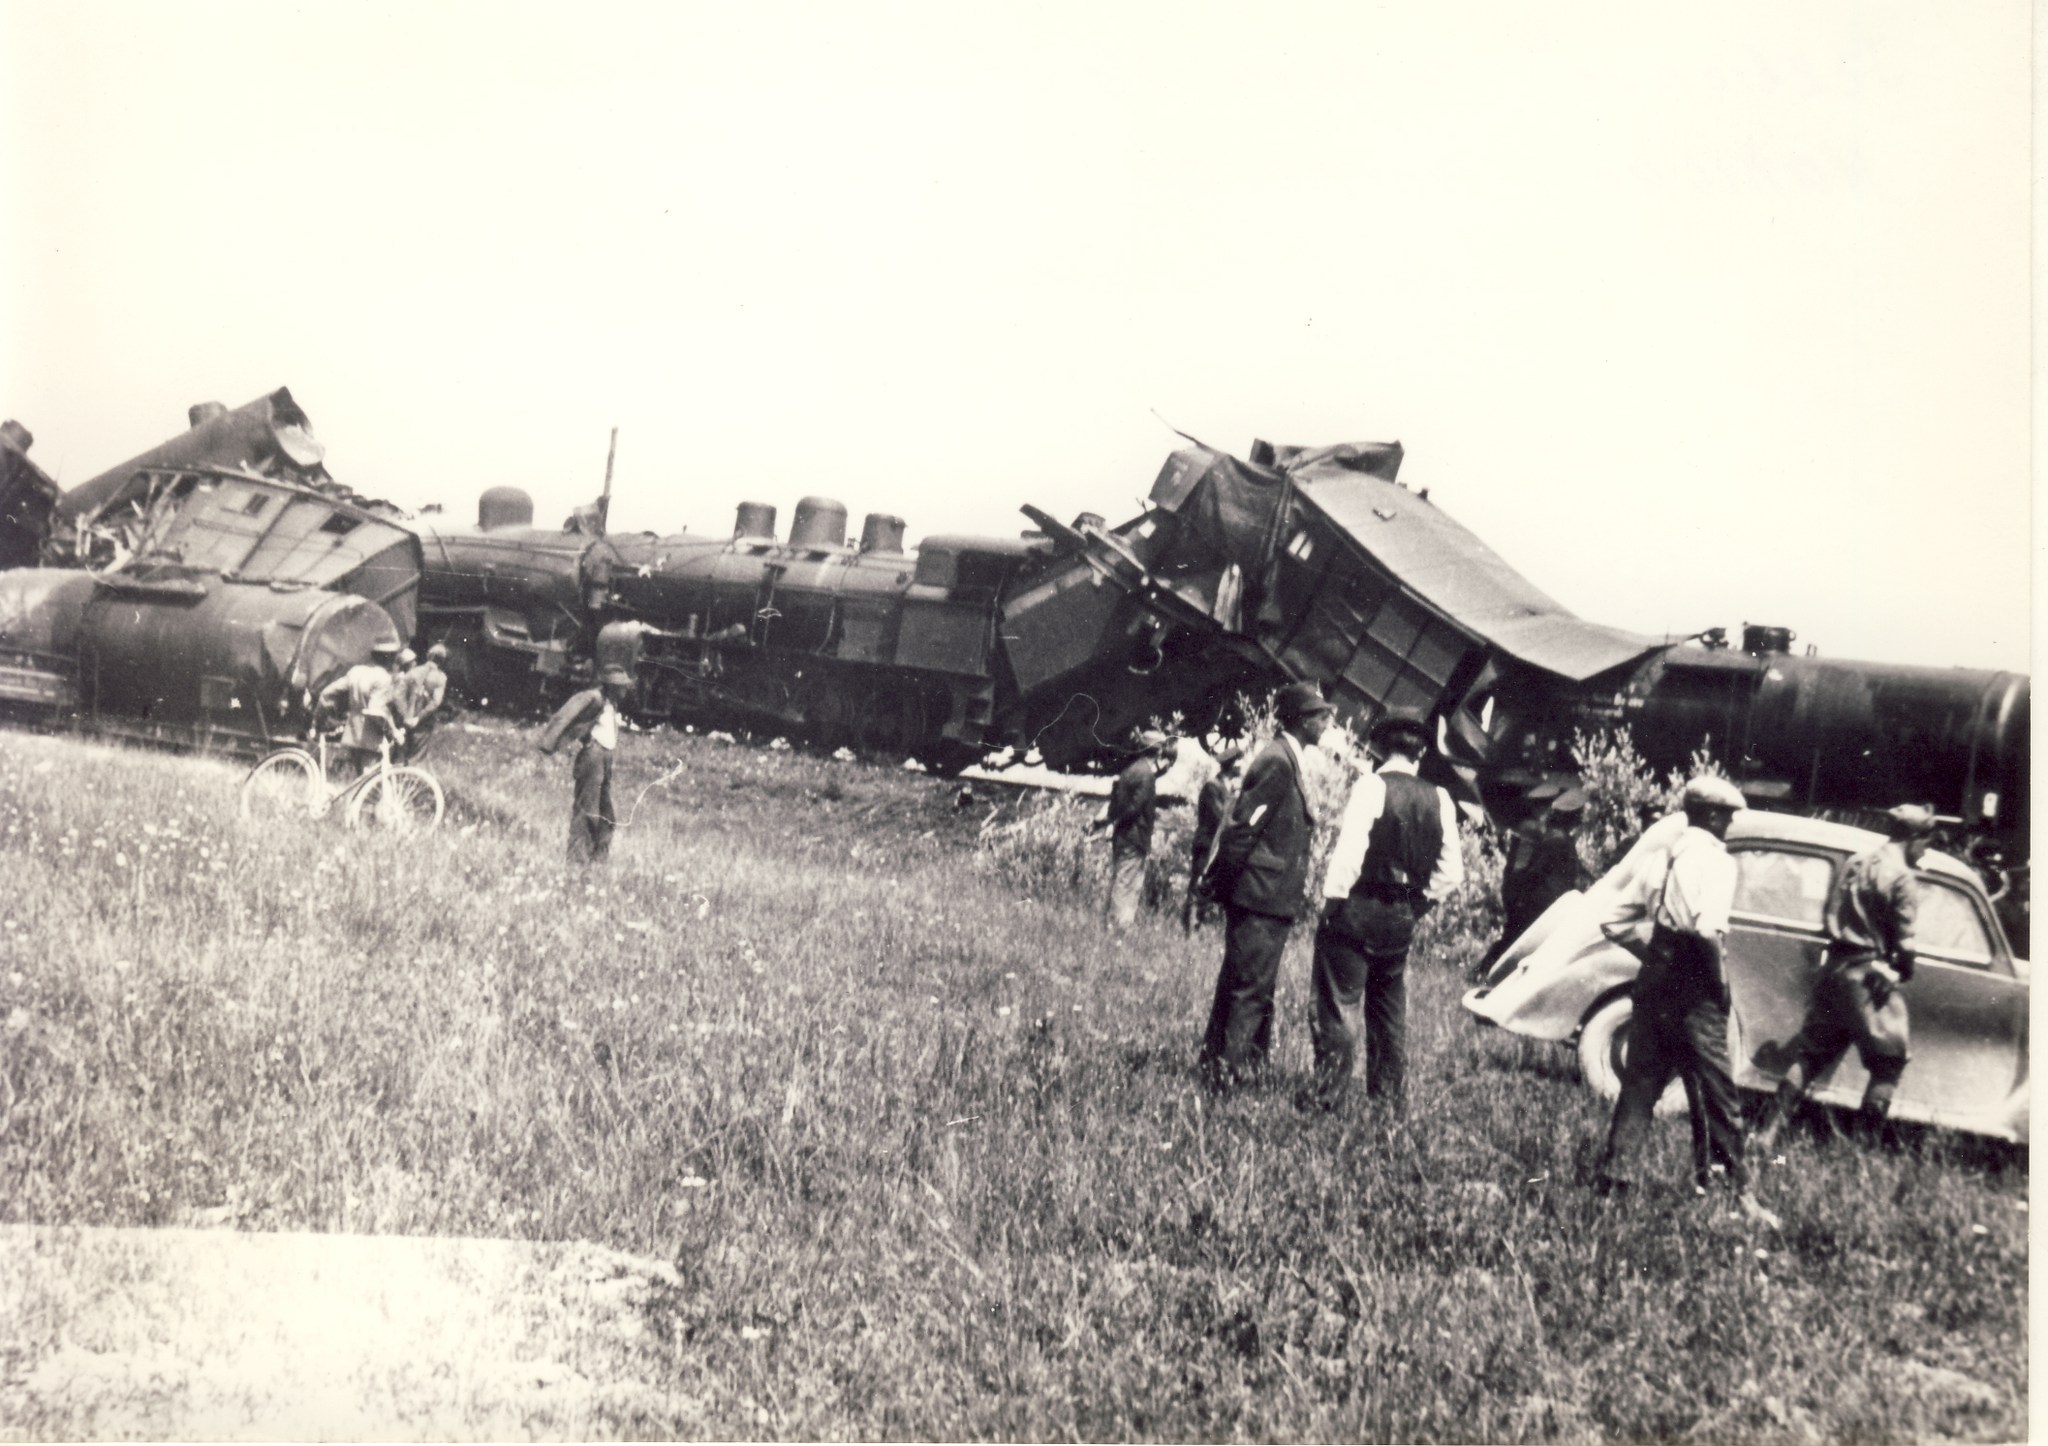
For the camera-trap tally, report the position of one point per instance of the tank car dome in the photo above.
(504, 507)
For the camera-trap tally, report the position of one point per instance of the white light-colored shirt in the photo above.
(605, 731)
(1675, 875)
(1362, 810)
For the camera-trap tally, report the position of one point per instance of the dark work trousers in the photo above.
(1846, 1010)
(1240, 1033)
(591, 819)
(1678, 1028)
(1349, 979)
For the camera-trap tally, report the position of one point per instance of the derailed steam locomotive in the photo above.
(1241, 573)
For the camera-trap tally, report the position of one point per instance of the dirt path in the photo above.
(224, 1335)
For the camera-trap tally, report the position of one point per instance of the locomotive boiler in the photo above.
(857, 642)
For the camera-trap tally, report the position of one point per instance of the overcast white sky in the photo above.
(1699, 315)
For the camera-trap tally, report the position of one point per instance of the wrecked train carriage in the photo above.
(197, 594)
(1318, 564)
(97, 522)
(28, 499)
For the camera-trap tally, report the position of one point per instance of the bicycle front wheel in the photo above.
(401, 800)
(287, 784)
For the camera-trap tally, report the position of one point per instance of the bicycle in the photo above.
(293, 782)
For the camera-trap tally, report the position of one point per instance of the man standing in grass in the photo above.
(1680, 1020)
(1396, 855)
(1542, 867)
(421, 690)
(1260, 876)
(1212, 807)
(365, 696)
(591, 718)
(1870, 954)
(1132, 816)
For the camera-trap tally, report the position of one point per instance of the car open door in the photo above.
(1775, 945)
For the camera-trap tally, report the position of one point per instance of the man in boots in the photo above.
(1681, 1001)
(1870, 954)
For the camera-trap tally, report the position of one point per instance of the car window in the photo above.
(1783, 885)
(1948, 924)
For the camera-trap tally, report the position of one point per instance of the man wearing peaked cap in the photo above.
(1679, 1024)
(1542, 866)
(1858, 998)
(591, 718)
(365, 697)
(1260, 874)
(1131, 818)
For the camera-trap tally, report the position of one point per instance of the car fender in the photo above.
(1556, 984)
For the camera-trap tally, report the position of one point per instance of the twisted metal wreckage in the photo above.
(201, 591)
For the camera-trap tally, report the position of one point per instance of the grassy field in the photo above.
(922, 1142)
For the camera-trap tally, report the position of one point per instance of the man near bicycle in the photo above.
(365, 698)
(420, 690)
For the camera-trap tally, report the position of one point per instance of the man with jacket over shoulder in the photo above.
(1260, 875)
(1396, 855)
(591, 719)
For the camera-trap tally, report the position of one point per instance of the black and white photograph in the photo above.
(927, 722)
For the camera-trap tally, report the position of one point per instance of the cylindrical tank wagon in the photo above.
(172, 657)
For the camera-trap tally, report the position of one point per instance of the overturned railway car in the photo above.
(197, 594)
(164, 655)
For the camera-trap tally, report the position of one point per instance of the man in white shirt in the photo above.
(1680, 1021)
(591, 719)
(1396, 855)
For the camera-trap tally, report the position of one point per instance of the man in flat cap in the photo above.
(1857, 999)
(1212, 807)
(1131, 818)
(1260, 876)
(1396, 854)
(1680, 1020)
(591, 718)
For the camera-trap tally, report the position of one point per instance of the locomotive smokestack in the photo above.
(880, 532)
(503, 507)
(200, 413)
(819, 522)
(756, 520)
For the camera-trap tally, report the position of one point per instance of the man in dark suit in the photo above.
(1260, 875)
(1542, 867)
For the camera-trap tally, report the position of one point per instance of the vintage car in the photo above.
(1564, 981)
